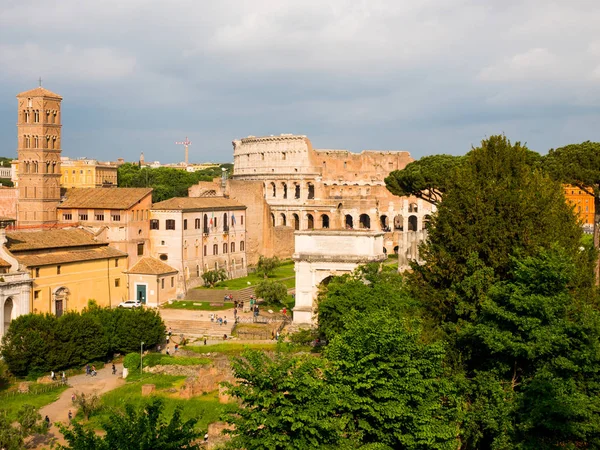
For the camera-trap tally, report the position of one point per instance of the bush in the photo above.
(271, 292)
(132, 362)
(303, 337)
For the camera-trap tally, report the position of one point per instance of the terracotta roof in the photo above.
(104, 198)
(51, 258)
(37, 240)
(151, 266)
(198, 203)
(39, 92)
(4, 263)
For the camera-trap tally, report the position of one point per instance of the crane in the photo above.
(186, 143)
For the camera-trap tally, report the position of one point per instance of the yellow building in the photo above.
(87, 173)
(68, 268)
(583, 202)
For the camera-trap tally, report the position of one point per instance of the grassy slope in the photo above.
(12, 403)
(284, 271)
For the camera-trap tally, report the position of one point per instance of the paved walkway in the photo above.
(58, 411)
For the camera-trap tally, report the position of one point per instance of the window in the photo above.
(283, 156)
(205, 250)
(197, 271)
(197, 224)
(99, 216)
(242, 220)
(116, 262)
(115, 217)
(67, 216)
(170, 224)
(57, 270)
(185, 224)
(172, 281)
(225, 246)
(117, 282)
(37, 272)
(233, 247)
(242, 246)
(163, 257)
(215, 249)
(36, 295)
(140, 249)
(154, 224)
(162, 283)
(215, 222)
(83, 216)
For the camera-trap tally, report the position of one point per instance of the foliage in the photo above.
(198, 306)
(271, 292)
(285, 403)
(142, 429)
(426, 178)
(160, 359)
(35, 344)
(29, 422)
(132, 362)
(576, 164)
(497, 205)
(212, 277)
(267, 266)
(285, 273)
(167, 182)
(88, 404)
(303, 337)
(369, 288)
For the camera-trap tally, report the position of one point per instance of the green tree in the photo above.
(272, 292)
(136, 325)
(497, 205)
(146, 428)
(285, 403)
(79, 338)
(579, 165)
(29, 422)
(267, 266)
(212, 277)
(426, 178)
(391, 384)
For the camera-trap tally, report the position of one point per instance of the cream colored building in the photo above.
(194, 235)
(117, 216)
(152, 282)
(69, 267)
(87, 173)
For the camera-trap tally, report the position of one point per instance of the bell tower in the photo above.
(38, 148)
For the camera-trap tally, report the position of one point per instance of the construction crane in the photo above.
(186, 143)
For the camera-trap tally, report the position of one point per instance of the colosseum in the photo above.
(287, 185)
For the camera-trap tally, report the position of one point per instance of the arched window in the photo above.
(205, 250)
(296, 221)
(242, 247)
(283, 219)
(197, 270)
(412, 223)
(225, 222)
(399, 223)
(296, 190)
(215, 249)
(365, 221)
(284, 189)
(310, 223)
(225, 247)
(384, 222)
(272, 219)
(324, 221)
(311, 190)
(233, 247)
(205, 230)
(214, 219)
(349, 222)
(273, 190)
(413, 208)
(197, 224)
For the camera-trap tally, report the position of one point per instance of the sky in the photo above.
(427, 76)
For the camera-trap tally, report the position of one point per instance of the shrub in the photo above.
(303, 337)
(132, 362)
(271, 291)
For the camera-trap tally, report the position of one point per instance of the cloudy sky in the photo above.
(427, 76)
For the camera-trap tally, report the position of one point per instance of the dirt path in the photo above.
(58, 411)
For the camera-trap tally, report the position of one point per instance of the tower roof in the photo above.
(39, 92)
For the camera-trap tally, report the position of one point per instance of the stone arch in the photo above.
(296, 221)
(273, 190)
(272, 219)
(425, 222)
(59, 305)
(413, 207)
(399, 223)
(324, 221)
(384, 221)
(311, 191)
(364, 221)
(284, 189)
(9, 311)
(296, 190)
(310, 222)
(396, 248)
(349, 222)
(283, 219)
(413, 223)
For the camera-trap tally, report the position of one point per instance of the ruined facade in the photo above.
(287, 185)
(39, 148)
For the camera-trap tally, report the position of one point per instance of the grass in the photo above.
(286, 270)
(11, 402)
(205, 408)
(236, 349)
(156, 359)
(199, 306)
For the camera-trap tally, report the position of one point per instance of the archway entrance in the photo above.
(310, 222)
(399, 223)
(8, 312)
(283, 220)
(296, 221)
(365, 221)
(324, 221)
(385, 223)
(349, 222)
(412, 223)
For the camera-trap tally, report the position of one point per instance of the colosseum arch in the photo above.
(273, 190)
(324, 221)
(296, 221)
(364, 221)
(311, 191)
(413, 223)
(272, 219)
(399, 223)
(349, 222)
(283, 221)
(413, 208)
(384, 222)
(284, 189)
(310, 222)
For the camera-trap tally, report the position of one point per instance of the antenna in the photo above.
(186, 143)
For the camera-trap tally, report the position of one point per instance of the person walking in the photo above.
(167, 352)
(70, 415)
(87, 369)
(176, 348)
(52, 375)
(114, 369)
(63, 378)
(47, 420)
(204, 340)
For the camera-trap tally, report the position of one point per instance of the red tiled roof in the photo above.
(198, 203)
(36, 240)
(151, 266)
(51, 258)
(104, 198)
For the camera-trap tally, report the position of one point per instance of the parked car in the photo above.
(130, 304)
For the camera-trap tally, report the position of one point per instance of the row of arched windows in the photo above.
(34, 141)
(28, 115)
(272, 188)
(37, 167)
(364, 222)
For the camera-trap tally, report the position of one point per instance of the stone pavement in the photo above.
(58, 411)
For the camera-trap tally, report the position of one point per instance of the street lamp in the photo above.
(141, 358)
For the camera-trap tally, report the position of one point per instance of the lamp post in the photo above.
(141, 358)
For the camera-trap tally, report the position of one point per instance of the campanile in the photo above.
(38, 148)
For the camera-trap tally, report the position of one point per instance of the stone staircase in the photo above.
(218, 295)
(197, 328)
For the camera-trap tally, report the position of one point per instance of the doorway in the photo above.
(140, 293)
